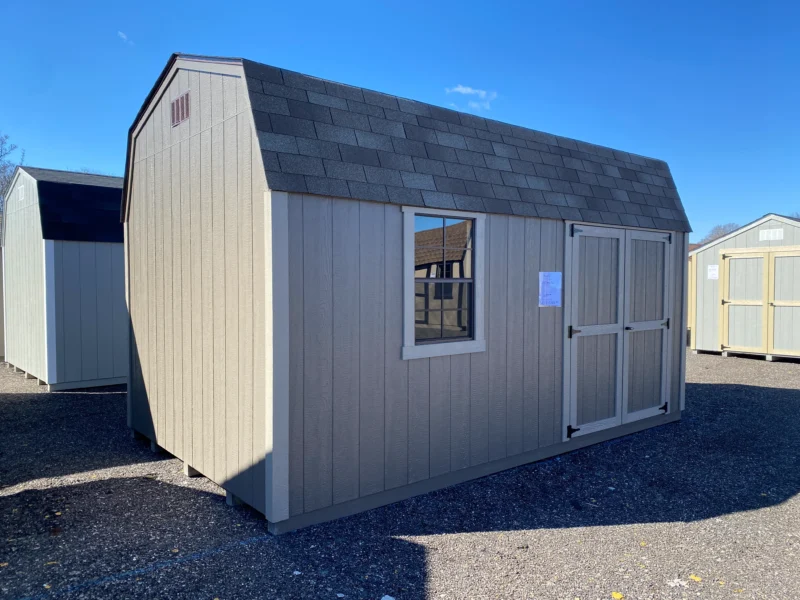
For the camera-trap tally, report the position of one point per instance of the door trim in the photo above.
(570, 352)
(725, 303)
(658, 324)
(772, 304)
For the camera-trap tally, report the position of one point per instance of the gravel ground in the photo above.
(707, 507)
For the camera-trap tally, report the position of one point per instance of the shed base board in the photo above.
(767, 357)
(79, 385)
(352, 507)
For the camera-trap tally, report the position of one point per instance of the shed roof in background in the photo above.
(323, 137)
(78, 207)
(788, 220)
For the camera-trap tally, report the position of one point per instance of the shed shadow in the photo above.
(51, 434)
(734, 450)
(128, 537)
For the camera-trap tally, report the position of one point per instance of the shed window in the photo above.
(443, 282)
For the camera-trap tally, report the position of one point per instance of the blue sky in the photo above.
(713, 88)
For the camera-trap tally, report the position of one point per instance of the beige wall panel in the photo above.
(197, 209)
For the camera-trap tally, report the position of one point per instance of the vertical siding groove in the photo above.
(296, 354)
(371, 348)
(318, 345)
(396, 369)
(193, 267)
(346, 349)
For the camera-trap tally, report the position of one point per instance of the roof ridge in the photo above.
(71, 172)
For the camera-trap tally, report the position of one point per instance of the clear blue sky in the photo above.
(713, 88)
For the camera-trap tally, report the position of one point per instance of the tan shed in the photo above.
(744, 292)
(341, 298)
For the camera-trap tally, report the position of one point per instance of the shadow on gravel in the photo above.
(63, 433)
(735, 450)
(143, 537)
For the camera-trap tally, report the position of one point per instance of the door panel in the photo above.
(745, 278)
(647, 271)
(645, 375)
(596, 378)
(645, 385)
(786, 339)
(744, 302)
(745, 326)
(595, 343)
(598, 304)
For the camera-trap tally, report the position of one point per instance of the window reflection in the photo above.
(443, 295)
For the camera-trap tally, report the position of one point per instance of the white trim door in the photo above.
(596, 327)
(645, 386)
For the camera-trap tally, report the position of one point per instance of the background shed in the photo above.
(65, 316)
(744, 291)
(280, 232)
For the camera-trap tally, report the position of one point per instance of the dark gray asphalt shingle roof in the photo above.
(80, 178)
(322, 137)
(78, 207)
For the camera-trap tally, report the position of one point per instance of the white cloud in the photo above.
(124, 37)
(483, 98)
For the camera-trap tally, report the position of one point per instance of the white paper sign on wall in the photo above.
(713, 271)
(549, 288)
(769, 235)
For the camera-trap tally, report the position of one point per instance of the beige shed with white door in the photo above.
(341, 298)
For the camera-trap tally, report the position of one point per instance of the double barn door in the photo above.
(618, 322)
(760, 301)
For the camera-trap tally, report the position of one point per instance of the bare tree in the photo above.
(718, 231)
(90, 171)
(7, 165)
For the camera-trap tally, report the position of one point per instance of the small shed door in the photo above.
(596, 329)
(744, 289)
(784, 303)
(645, 386)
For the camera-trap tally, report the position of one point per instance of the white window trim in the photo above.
(411, 350)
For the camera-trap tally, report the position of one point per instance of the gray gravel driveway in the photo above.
(704, 508)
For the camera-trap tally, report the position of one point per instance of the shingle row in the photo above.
(327, 138)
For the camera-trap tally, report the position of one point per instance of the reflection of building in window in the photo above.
(443, 273)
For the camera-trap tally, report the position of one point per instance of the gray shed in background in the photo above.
(66, 322)
(744, 290)
(341, 298)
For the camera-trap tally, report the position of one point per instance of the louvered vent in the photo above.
(180, 109)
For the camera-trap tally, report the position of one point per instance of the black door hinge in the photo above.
(572, 431)
(723, 346)
(573, 230)
(724, 302)
(666, 323)
(669, 238)
(664, 407)
(571, 331)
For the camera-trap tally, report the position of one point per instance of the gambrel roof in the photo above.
(328, 138)
(324, 137)
(78, 207)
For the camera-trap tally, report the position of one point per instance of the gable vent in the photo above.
(180, 109)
